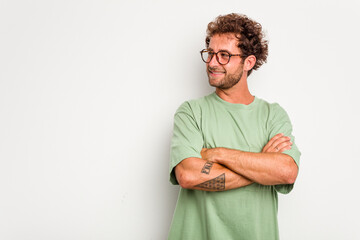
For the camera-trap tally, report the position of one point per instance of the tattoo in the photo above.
(217, 183)
(207, 167)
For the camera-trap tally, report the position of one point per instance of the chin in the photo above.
(215, 83)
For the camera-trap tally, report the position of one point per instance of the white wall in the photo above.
(88, 90)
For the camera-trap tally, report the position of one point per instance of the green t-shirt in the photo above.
(246, 213)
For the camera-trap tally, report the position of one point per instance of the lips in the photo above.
(215, 71)
(216, 74)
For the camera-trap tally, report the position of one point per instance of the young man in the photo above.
(231, 152)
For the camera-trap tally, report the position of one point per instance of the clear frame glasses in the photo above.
(223, 57)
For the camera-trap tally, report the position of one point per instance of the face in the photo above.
(224, 76)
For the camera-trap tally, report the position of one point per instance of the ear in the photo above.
(249, 62)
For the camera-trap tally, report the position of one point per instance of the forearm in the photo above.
(263, 168)
(196, 173)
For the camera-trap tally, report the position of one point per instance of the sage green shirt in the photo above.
(246, 213)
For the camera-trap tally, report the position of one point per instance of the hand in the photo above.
(277, 144)
(209, 154)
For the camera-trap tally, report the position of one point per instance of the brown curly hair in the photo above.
(249, 33)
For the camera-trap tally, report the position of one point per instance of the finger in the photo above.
(278, 144)
(274, 149)
(269, 147)
(284, 149)
(284, 146)
(279, 141)
(272, 140)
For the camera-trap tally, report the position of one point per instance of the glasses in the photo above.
(223, 57)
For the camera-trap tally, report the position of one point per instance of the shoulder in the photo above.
(278, 112)
(273, 108)
(272, 112)
(194, 106)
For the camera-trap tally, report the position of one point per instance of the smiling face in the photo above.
(224, 76)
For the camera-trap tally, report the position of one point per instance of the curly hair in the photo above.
(249, 33)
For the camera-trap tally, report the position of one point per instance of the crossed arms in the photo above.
(222, 169)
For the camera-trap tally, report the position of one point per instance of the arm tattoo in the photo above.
(207, 167)
(217, 184)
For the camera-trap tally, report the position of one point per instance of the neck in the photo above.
(237, 94)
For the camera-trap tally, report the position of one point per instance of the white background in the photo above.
(88, 90)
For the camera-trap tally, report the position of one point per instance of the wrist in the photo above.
(229, 156)
(221, 155)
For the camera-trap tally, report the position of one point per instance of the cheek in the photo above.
(235, 69)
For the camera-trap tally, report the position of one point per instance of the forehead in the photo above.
(226, 41)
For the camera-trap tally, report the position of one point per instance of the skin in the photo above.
(270, 167)
(189, 175)
(220, 74)
(222, 169)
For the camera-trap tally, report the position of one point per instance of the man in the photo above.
(231, 152)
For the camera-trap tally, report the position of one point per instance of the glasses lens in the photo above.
(206, 56)
(223, 57)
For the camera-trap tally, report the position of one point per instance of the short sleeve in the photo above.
(187, 140)
(280, 123)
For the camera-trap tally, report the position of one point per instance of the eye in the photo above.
(224, 55)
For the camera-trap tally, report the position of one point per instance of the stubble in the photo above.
(227, 82)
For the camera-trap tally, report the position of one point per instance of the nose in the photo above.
(213, 62)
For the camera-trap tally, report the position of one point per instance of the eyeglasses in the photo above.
(223, 57)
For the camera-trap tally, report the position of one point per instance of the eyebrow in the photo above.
(224, 50)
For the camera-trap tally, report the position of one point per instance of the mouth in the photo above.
(215, 72)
